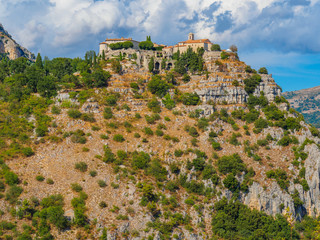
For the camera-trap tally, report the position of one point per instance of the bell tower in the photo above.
(191, 36)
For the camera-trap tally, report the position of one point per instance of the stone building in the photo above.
(192, 43)
(105, 45)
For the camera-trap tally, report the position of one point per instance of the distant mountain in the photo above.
(9, 47)
(306, 101)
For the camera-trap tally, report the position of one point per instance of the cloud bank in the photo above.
(72, 26)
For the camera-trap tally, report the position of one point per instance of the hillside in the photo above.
(307, 102)
(104, 149)
(10, 48)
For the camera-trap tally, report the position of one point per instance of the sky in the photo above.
(282, 35)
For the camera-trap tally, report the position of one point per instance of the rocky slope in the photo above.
(12, 49)
(306, 101)
(188, 146)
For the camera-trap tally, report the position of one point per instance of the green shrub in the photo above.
(81, 166)
(231, 182)
(140, 159)
(216, 146)
(154, 105)
(263, 70)
(280, 176)
(234, 140)
(231, 164)
(111, 100)
(88, 117)
(234, 220)
(261, 123)
(108, 155)
(137, 135)
(40, 178)
(158, 86)
(148, 131)
(102, 183)
(74, 113)
(55, 110)
(251, 83)
(103, 204)
(215, 47)
(93, 173)
(107, 114)
(76, 187)
(13, 193)
(190, 99)
(28, 151)
(50, 181)
(178, 153)
(189, 201)
(159, 133)
(11, 178)
(118, 138)
(122, 155)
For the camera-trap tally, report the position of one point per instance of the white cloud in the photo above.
(283, 25)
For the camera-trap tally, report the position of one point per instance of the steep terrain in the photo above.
(306, 101)
(9, 47)
(142, 156)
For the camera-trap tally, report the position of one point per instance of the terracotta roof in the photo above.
(118, 39)
(197, 41)
(168, 47)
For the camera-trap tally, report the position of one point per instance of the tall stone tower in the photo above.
(191, 36)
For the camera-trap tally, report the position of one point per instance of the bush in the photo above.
(251, 83)
(118, 138)
(93, 173)
(140, 159)
(74, 113)
(13, 193)
(216, 146)
(154, 105)
(231, 164)
(88, 117)
(261, 123)
(102, 183)
(137, 135)
(158, 86)
(81, 166)
(231, 182)
(215, 47)
(50, 181)
(11, 178)
(40, 178)
(263, 70)
(55, 110)
(27, 151)
(107, 114)
(234, 220)
(190, 99)
(111, 100)
(148, 131)
(76, 187)
(178, 153)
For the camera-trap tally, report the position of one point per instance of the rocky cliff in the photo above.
(306, 101)
(9, 47)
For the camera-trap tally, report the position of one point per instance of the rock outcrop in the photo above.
(12, 49)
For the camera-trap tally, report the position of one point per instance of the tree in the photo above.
(233, 48)
(103, 55)
(263, 70)
(146, 45)
(100, 78)
(116, 65)
(215, 47)
(47, 86)
(151, 65)
(158, 86)
(38, 62)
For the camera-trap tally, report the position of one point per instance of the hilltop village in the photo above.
(144, 51)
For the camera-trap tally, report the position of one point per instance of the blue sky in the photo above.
(282, 35)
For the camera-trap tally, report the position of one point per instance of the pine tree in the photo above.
(38, 62)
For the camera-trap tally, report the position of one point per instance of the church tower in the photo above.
(191, 36)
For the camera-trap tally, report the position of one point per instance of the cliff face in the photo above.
(307, 102)
(9, 46)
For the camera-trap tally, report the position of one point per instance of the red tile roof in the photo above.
(197, 41)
